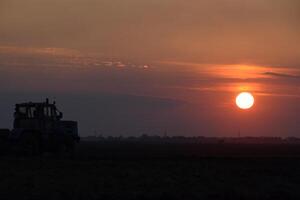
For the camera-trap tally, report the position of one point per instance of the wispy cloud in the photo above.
(282, 75)
(14, 56)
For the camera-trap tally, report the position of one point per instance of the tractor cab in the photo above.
(36, 116)
(40, 126)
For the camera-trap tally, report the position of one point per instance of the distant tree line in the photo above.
(195, 139)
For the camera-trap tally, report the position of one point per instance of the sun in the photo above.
(244, 100)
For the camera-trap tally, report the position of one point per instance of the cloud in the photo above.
(222, 31)
(16, 50)
(282, 75)
(59, 57)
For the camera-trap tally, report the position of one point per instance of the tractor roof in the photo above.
(29, 104)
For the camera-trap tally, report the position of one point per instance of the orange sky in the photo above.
(173, 64)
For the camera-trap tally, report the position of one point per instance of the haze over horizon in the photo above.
(131, 67)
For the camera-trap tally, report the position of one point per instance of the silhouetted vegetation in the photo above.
(196, 139)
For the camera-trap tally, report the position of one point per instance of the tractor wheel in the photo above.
(63, 145)
(4, 133)
(70, 145)
(57, 145)
(30, 143)
(3, 146)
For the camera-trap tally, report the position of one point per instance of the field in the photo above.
(124, 170)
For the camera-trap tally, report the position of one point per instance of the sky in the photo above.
(132, 67)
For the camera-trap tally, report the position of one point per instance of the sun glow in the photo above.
(244, 100)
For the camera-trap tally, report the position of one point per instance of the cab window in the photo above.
(22, 110)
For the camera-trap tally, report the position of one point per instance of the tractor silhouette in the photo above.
(38, 128)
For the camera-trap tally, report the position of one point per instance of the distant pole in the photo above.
(239, 126)
(165, 133)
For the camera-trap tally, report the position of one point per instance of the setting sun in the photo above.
(244, 100)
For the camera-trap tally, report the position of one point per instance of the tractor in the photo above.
(39, 128)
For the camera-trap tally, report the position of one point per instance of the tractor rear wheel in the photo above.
(70, 145)
(30, 143)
